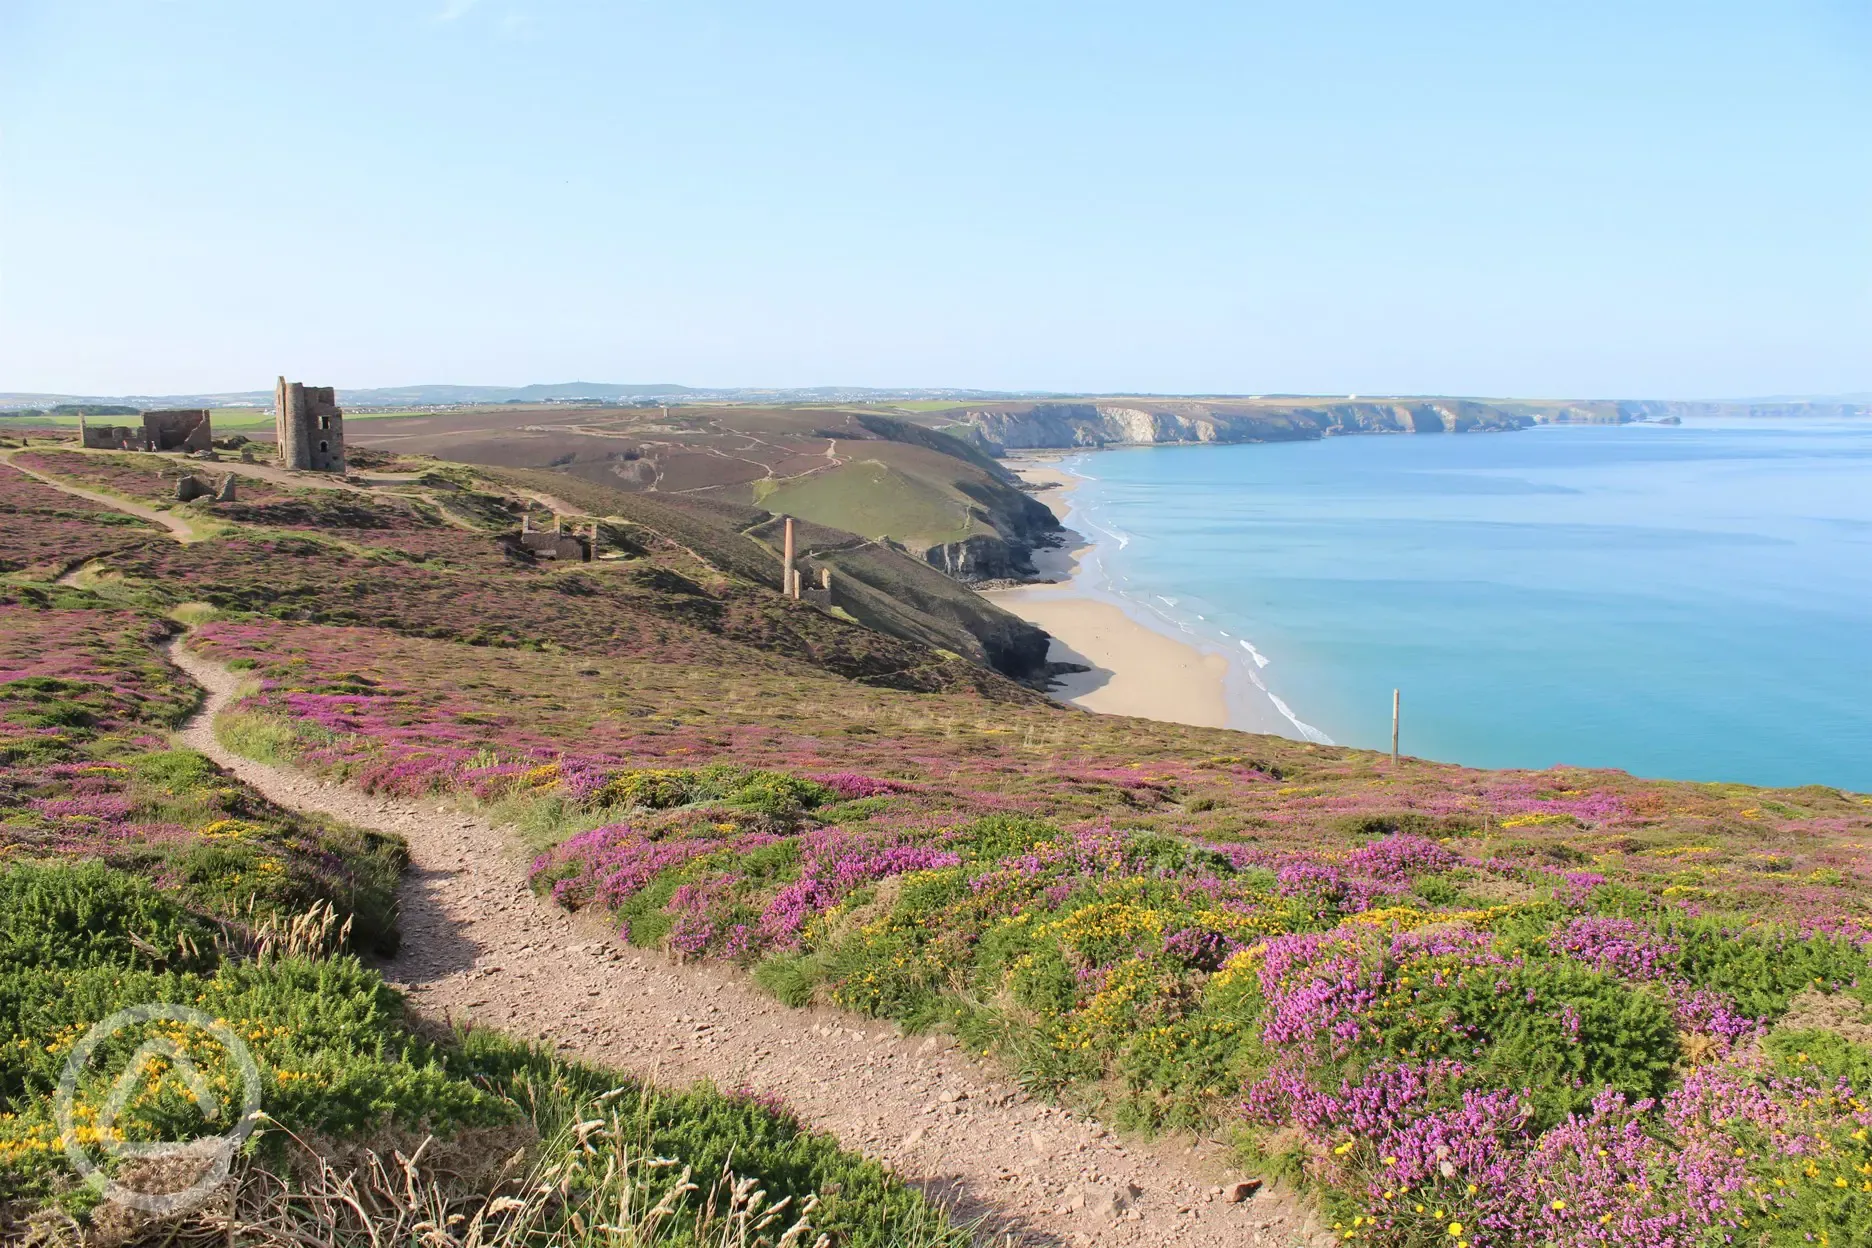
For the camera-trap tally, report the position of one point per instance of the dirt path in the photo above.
(177, 526)
(478, 945)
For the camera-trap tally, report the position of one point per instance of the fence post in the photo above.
(1394, 721)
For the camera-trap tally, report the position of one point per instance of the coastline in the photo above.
(1138, 666)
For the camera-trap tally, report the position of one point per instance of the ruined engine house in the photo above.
(309, 426)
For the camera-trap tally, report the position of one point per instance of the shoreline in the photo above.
(1139, 667)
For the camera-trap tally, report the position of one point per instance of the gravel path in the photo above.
(478, 945)
(178, 528)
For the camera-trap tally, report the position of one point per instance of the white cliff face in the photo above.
(1035, 426)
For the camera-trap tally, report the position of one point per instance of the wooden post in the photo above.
(789, 582)
(1394, 719)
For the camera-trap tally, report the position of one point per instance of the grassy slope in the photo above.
(944, 489)
(130, 872)
(1168, 922)
(878, 585)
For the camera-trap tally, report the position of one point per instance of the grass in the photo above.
(340, 1063)
(869, 497)
(1182, 928)
(1552, 1006)
(131, 872)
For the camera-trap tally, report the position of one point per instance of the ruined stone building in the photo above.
(309, 427)
(108, 437)
(180, 430)
(556, 543)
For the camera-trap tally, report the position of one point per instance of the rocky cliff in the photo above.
(1002, 427)
(1012, 426)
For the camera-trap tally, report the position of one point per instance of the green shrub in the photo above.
(881, 972)
(67, 915)
(651, 789)
(1436, 891)
(1554, 1027)
(776, 793)
(994, 837)
(178, 772)
(261, 737)
(1762, 970)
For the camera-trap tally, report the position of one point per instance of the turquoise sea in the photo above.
(1687, 601)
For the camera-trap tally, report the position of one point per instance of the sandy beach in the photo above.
(1136, 670)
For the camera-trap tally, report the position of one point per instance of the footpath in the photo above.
(479, 947)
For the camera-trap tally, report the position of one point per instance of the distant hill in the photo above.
(555, 392)
(1317, 410)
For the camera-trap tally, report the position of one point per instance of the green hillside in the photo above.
(1439, 1005)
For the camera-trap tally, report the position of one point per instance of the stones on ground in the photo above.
(1100, 1201)
(1238, 1192)
(868, 1096)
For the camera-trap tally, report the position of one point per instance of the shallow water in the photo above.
(1691, 601)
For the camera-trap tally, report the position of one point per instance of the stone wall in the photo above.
(181, 430)
(109, 437)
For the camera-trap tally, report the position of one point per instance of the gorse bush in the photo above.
(62, 916)
(133, 873)
(338, 1060)
(1508, 969)
(1471, 1008)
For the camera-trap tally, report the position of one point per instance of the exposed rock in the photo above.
(982, 558)
(1034, 426)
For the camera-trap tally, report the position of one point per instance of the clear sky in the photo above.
(1556, 197)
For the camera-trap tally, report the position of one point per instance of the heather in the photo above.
(1469, 1007)
(136, 475)
(341, 1064)
(47, 530)
(394, 564)
(1465, 1007)
(132, 872)
(85, 703)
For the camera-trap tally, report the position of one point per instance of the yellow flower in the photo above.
(1455, 1229)
(1558, 1205)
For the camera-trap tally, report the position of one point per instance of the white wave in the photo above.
(1306, 730)
(1259, 658)
(1169, 601)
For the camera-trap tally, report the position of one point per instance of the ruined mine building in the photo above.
(185, 430)
(309, 426)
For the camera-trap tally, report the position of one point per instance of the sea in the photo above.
(1690, 601)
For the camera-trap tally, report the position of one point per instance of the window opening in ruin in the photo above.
(324, 422)
(323, 447)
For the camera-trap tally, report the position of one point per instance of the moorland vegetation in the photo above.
(1458, 1007)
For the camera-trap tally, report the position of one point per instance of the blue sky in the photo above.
(1635, 198)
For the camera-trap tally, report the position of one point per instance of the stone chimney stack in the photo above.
(789, 578)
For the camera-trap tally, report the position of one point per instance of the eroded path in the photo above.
(479, 946)
(178, 528)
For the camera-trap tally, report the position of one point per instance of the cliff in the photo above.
(1002, 427)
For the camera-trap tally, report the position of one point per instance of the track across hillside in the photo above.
(478, 946)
